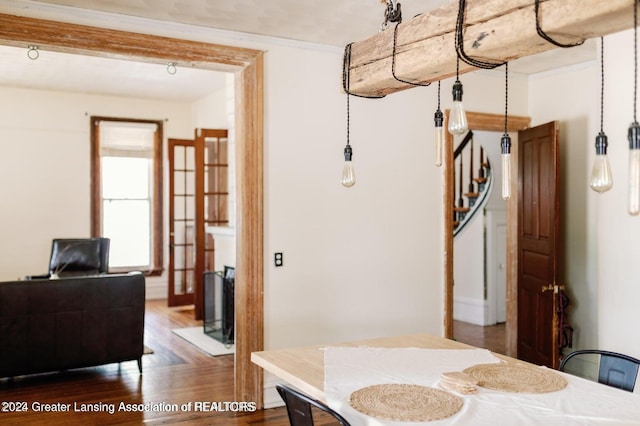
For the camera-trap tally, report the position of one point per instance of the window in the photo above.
(126, 170)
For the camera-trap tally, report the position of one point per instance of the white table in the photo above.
(332, 373)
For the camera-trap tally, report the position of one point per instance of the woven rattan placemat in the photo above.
(404, 402)
(516, 378)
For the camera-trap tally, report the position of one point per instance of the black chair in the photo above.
(614, 369)
(299, 407)
(77, 257)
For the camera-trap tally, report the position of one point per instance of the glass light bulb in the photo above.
(601, 180)
(505, 150)
(458, 119)
(506, 176)
(634, 169)
(438, 119)
(634, 182)
(348, 175)
(439, 145)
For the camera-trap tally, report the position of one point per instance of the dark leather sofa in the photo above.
(60, 324)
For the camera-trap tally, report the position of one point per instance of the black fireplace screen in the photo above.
(218, 304)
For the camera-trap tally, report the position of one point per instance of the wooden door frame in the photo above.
(491, 123)
(248, 67)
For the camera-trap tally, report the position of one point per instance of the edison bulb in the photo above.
(505, 148)
(348, 173)
(601, 180)
(634, 169)
(458, 120)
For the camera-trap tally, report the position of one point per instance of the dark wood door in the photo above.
(538, 244)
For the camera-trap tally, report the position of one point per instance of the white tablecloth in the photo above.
(581, 403)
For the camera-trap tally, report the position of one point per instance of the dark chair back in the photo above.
(614, 369)
(79, 256)
(299, 407)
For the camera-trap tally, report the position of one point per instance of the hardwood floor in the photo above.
(491, 337)
(176, 373)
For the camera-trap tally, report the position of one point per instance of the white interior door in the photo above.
(496, 246)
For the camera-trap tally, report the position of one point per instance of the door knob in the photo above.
(555, 287)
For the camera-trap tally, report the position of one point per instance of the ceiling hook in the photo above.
(393, 13)
(171, 68)
(33, 52)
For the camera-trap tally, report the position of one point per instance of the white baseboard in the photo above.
(469, 310)
(156, 288)
(271, 397)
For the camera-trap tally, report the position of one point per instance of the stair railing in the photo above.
(478, 184)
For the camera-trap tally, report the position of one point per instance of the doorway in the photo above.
(491, 123)
(480, 237)
(248, 65)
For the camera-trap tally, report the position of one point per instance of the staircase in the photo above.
(477, 182)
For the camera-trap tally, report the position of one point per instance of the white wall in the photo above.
(617, 234)
(45, 164)
(367, 261)
(44, 167)
(358, 262)
(601, 239)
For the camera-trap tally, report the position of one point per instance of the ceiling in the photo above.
(334, 23)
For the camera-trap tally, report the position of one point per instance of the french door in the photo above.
(198, 200)
(182, 222)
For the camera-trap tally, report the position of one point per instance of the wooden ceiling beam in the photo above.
(494, 31)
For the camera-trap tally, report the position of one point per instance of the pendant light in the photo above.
(438, 118)
(458, 120)
(634, 129)
(505, 141)
(601, 180)
(348, 178)
(348, 173)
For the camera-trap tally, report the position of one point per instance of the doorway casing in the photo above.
(491, 123)
(248, 67)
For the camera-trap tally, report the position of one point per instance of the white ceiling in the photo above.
(333, 23)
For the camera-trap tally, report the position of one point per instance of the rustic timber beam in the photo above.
(21, 31)
(494, 31)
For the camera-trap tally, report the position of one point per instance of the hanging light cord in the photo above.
(506, 94)
(459, 42)
(348, 118)
(635, 58)
(545, 36)
(346, 75)
(393, 61)
(438, 95)
(601, 84)
(346, 83)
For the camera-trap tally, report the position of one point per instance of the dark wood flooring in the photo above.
(490, 337)
(175, 374)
